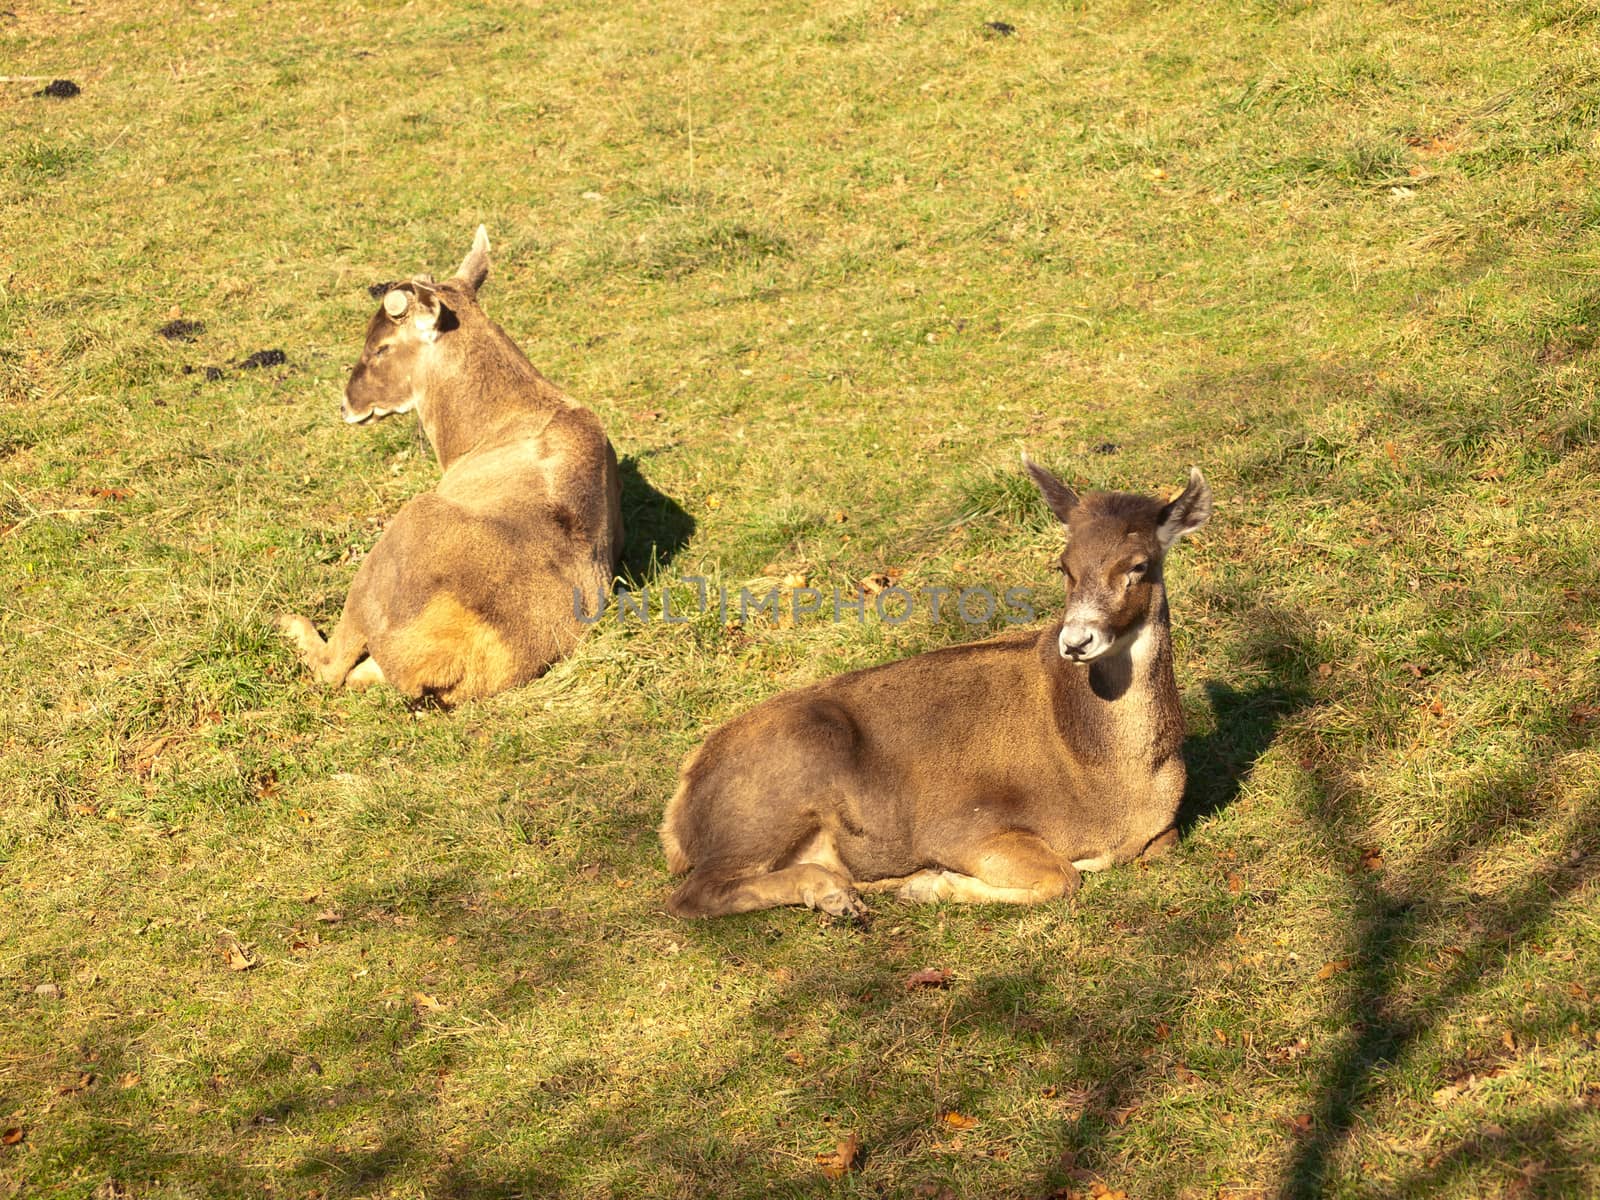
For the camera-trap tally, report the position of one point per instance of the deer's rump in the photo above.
(851, 759)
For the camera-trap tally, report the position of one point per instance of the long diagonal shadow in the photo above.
(1384, 1023)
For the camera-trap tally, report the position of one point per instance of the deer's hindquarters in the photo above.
(758, 813)
(448, 651)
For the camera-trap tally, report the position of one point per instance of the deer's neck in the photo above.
(1123, 707)
(465, 400)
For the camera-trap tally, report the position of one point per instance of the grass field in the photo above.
(822, 269)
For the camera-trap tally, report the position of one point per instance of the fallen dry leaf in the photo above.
(1330, 969)
(1290, 1051)
(329, 916)
(425, 1002)
(1438, 143)
(795, 1057)
(1235, 883)
(145, 760)
(11, 1136)
(1076, 1100)
(240, 959)
(837, 1165)
(1466, 1081)
(1371, 860)
(957, 1120)
(879, 581)
(1300, 1125)
(1163, 1031)
(131, 1079)
(928, 977)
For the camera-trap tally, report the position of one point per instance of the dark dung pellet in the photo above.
(265, 358)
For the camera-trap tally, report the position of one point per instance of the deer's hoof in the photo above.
(839, 902)
(300, 631)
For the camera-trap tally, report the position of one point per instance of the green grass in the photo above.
(822, 270)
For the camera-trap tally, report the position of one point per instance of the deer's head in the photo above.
(1116, 544)
(404, 338)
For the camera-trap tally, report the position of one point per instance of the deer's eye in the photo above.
(380, 351)
(1138, 569)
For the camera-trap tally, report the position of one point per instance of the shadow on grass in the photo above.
(655, 526)
(1245, 720)
(887, 1061)
(1391, 1011)
(1551, 1153)
(1218, 761)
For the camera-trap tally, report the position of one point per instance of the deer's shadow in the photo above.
(655, 527)
(1245, 722)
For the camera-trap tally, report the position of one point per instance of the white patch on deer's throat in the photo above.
(1140, 644)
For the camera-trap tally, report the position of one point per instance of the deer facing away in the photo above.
(471, 588)
(995, 771)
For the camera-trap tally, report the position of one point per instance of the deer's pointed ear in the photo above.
(1061, 499)
(474, 268)
(1187, 513)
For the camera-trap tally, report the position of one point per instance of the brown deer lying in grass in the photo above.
(471, 589)
(988, 772)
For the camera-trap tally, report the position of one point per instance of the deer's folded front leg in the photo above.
(1008, 868)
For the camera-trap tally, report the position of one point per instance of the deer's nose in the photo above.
(1074, 642)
